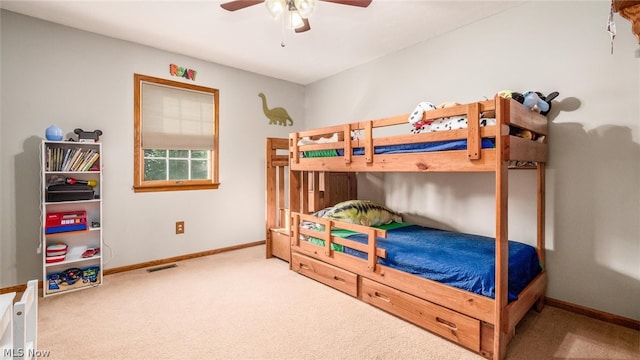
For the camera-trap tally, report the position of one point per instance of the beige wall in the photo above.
(593, 192)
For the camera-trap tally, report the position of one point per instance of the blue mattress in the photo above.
(404, 148)
(464, 261)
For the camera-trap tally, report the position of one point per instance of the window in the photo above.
(175, 135)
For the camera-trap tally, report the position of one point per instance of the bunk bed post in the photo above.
(368, 146)
(474, 142)
(502, 233)
(281, 203)
(541, 170)
(541, 212)
(304, 195)
(294, 191)
(294, 176)
(318, 202)
(294, 206)
(271, 193)
(347, 144)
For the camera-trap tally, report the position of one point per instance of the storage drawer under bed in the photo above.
(327, 274)
(449, 324)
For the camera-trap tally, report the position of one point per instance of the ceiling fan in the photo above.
(296, 11)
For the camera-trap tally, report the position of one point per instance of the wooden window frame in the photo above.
(139, 185)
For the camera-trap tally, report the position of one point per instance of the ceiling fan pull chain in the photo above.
(282, 44)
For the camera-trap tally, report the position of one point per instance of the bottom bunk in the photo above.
(439, 280)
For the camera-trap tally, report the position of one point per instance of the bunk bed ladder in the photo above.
(502, 233)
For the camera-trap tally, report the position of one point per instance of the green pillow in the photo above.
(362, 212)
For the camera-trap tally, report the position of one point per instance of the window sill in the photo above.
(180, 187)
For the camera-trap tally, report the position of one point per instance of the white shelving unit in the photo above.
(71, 232)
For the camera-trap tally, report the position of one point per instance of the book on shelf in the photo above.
(65, 157)
(88, 163)
(71, 156)
(86, 155)
(77, 159)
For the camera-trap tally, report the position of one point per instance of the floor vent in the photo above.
(165, 267)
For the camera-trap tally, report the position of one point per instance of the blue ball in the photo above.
(53, 133)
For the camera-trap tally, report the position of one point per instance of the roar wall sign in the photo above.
(176, 70)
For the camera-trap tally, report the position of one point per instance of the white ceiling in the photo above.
(341, 37)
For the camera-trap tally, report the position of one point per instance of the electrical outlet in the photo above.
(179, 227)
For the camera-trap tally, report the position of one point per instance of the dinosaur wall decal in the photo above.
(277, 115)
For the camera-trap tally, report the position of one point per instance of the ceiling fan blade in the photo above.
(305, 27)
(360, 3)
(239, 4)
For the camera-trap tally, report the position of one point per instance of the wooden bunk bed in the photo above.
(480, 323)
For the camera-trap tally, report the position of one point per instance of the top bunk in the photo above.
(486, 135)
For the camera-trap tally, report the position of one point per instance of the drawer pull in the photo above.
(304, 266)
(339, 279)
(447, 323)
(382, 296)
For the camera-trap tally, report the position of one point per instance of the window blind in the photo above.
(176, 119)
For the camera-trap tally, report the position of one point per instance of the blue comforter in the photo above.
(464, 261)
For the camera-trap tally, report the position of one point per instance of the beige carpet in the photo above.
(239, 305)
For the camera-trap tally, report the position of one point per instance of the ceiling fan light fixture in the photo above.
(275, 7)
(295, 13)
(305, 7)
(294, 20)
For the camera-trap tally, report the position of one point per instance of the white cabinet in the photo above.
(71, 215)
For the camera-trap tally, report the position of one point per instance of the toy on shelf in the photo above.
(53, 133)
(88, 136)
(56, 252)
(66, 221)
(72, 181)
(90, 252)
(90, 274)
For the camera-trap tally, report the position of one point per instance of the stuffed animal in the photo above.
(433, 124)
(547, 99)
(533, 100)
(416, 115)
(505, 94)
(88, 136)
